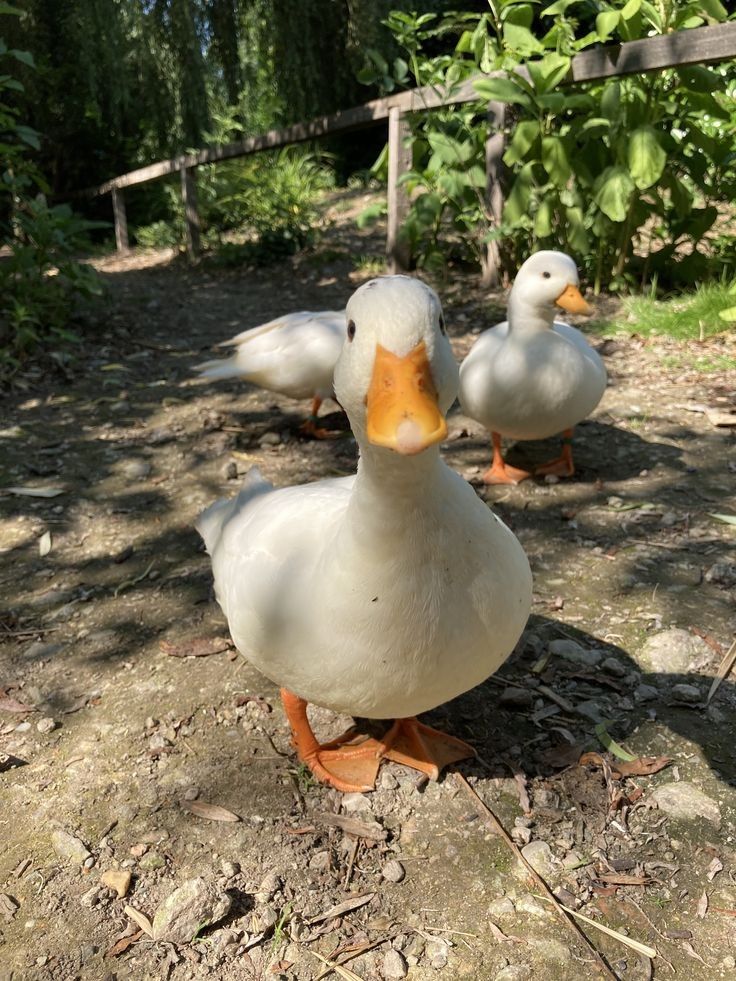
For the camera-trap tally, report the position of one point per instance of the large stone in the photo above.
(539, 855)
(514, 972)
(187, 910)
(69, 847)
(570, 650)
(685, 802)
(676, 651)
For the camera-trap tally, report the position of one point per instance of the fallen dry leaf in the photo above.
(360, 829)
(121, 945)
(34, 491)
(638, 767)
(499, 935)
(212, 812)
(10, 704)
(44, 544)
(642, 766)
(702, 906)
(689, 949)
(714, 868)
(617, 879)
(198, 647)
(345, 907)
(140, 918)
(725, 666)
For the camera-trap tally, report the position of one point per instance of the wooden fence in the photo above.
(695, 46)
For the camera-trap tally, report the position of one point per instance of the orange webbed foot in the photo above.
(423, 748)
(504, 474)
(350, 763)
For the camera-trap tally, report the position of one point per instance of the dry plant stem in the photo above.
(490, 818)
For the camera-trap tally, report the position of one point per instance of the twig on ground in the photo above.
(491, 819)
(726, 664)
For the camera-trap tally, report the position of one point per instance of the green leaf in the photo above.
(714, 9)
(606, 23)
(577, 235)
(611, 745)
(554, 159)
(543, 220)
(502, 90)
(631, 9)
(517, 203)
(25, 56)
(525, 135)
(559, 7)
(646, 157)
(611, 100)
(699, 79)
(729, 314)
(614, 190)
(29, 136)
(727, 519)
(521, 39)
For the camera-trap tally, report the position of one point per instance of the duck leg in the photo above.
(563, 465)
(500, 472)
(349, 763)
(310, 428)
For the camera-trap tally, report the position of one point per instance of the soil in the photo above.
(108, 734)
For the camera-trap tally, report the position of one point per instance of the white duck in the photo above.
(384, 594)
(294, 355)
(532, 376)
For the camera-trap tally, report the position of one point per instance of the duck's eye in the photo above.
(351, 329)
(546, 275)
(443, 326)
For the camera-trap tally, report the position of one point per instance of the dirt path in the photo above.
(635, 584)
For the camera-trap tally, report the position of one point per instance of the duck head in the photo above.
(549, 279)
(396, 376)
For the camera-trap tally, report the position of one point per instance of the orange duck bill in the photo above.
(403, 413)
(571, 299)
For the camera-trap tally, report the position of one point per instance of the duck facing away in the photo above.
(532, 376)
(383, 594)
(293, 355)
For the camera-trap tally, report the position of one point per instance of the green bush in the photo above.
(270, 198)
(627, 175)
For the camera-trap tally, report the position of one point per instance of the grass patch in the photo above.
(688, 317)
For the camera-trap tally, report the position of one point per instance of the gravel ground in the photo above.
(154, 822)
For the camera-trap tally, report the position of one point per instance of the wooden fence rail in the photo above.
(698, 45)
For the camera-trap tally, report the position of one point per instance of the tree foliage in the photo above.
(121, 83)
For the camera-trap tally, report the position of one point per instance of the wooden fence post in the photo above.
(121, 221)
(191, 215)
(491, 265)
(399, 161)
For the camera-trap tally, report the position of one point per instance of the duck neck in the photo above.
(388, 487)
(527, 318)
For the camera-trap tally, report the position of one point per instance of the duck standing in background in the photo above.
(532, 376)
(387, 593)
(293, 355)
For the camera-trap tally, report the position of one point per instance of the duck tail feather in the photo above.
(219, 368)
(212, 520)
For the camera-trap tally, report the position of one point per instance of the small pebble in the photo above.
(393, 871)
(191, 793)
(270, 439)
(47, 725)
(118, 880)
(229, 869)
(686, 693)
(230, 470)
(614, 667)
(394, 965)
